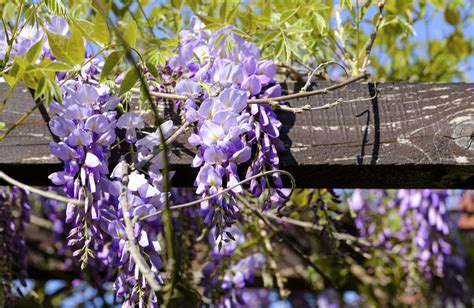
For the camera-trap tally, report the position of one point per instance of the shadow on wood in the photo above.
(408, 135)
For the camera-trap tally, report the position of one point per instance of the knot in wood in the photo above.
(463, 134)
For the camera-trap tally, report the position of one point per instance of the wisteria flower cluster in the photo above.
(86, 125)
(425, 231)
(14, 215)
(237, 275)
(221, 72)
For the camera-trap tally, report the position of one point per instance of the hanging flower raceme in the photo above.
(14, 214)
(424, 231)
(237, 275)
(144, 195)
(85, 126)
(221, 72)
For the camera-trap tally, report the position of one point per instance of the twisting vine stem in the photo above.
(373, 36)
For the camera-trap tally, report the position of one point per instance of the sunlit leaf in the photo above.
(34, 51)
(128, 81)
(59, 46)
(130, 34)
(112, 60)
(75, 47)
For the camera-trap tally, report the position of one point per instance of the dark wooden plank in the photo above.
(409, 135)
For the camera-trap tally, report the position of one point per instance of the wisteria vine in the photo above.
(117, 217)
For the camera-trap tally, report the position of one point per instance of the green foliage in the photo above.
(131, 33)
(68, 49)
(129, 80)
(110, 63)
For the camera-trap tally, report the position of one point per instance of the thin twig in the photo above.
(166, 218)
(272, 100)
(132, 246)
(310, 93)
(342, 101)
(41, 222)
(304, 224)
(21, 119)
(184, 205)
(373, 36)
(37, 191)
(311, 74)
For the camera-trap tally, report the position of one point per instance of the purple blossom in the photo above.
(130, 121)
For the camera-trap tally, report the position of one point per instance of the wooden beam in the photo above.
(408, 135)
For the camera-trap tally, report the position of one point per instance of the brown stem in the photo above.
(373, 36)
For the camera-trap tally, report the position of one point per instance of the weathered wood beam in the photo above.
(408, 135)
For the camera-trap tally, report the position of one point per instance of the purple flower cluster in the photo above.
(144, 196)
(221, 72)
(232, 279)
(424, 231)
(86, 123)
(14, 214)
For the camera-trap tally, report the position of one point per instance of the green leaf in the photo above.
(97, 33)
(287, 15)
(128, 81)
(56, 7)
(451, 14)
(58, 45)
(278, 48)
(101, 31)
(15, 73)
(208, 20)
(152, 69)
(295, 29)
(223, 11)
(130, 34)
(320, 22)
(231, 14)
(111, 62)
(2, 125)
(40, 89)
(218, 40)
(241, 33)
(48, 90)
(287, 50)
(34, 51)
(87, 29)
(347, 3)
(158, 56)
(270, 37)
(364, 9)
(75, 47)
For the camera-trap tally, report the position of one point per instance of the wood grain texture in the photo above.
(408, 135)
